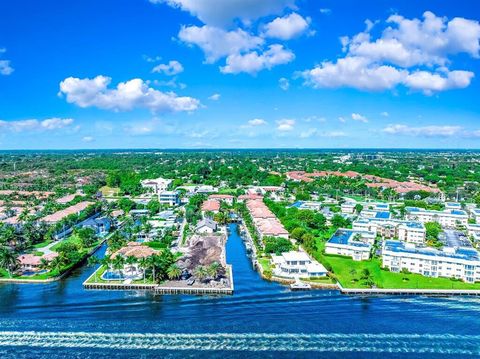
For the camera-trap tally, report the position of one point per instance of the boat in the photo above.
(299, 285)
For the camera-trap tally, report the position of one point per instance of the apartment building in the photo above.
(449, 218)
(351, 243)
(461, 263)
(408, 231)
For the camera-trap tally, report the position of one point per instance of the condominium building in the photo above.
(348, 207)
(462, 263)
(449, 218)
(297, 264)
(351, 243)
(408, 231)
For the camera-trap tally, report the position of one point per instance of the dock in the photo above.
(427, 292)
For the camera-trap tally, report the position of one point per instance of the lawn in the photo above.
(265, 263)
(42, 244)
(109, 191)
(102, 269)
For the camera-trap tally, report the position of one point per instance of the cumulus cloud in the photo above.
(215, 97)
(285, 125)
(284, 84)
(88, 139)
(31, 125)
(172, 68)
(221, 13)
(217, 43)
(5, 67)
(128, 95)
(385, 114)
(254, 61)
(425, 131)
(257, 122)
(358, 117)
(400, 54)
(287, 27)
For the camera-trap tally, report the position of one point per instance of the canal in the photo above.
(261, 319)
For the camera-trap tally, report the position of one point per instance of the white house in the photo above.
(156, 185)
(169, 197)
(461, 263)
(408, 231)
(295, 264)
(206, 225)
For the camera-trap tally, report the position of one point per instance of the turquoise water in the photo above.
(261, 319)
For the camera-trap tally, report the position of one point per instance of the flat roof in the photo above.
(382, 215)
(460, 253)
(342, 236)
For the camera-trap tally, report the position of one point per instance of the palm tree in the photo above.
(201, 273)
(118, 263)
(8, 260)
(152, 262)
(130, 261)
(213, 270)
(143, 263)
(92, 262)
(174, 271)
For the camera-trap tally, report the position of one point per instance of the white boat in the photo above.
(299, 285)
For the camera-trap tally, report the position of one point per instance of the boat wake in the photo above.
(252, 342)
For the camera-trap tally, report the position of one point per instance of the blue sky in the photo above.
(239, 74)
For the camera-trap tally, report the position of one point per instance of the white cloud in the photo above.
(285, 125)
(172, 68)
(257, 122)
(325, 11)
(400, 54)
(5, 67)
(353, 72)
(311, 132)
(217, 43)
(88, 139)
(342, 119)
(385, 114)
(126, 96)
(223, 12)
(254, 62)
(215, 97)
(358, 117)
(284, 84)
(287, 27)
(433, 82)
(31, 125)
(425, 131)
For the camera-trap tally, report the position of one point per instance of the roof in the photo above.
(58, 216)
(345, 237)
(385, 215)
(459, 253)
(210, 205)
(206, 222)
(66, 199)
(295, 256)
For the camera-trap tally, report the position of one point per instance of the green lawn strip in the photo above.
(42, 244)
(102, 269)
(155, 245)
(265, 263)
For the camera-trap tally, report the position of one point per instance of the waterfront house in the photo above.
(296, 264)
(170, 198)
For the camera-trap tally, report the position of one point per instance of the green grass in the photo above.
(155, 245)
(102, 269)
(42, 244)
(265, 263)
(319, 280)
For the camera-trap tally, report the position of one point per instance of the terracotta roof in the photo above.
(211, 205)
(58, 216)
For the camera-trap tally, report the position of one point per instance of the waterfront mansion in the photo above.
(295, 264)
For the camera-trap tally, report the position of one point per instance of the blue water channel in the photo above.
(261, 320)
